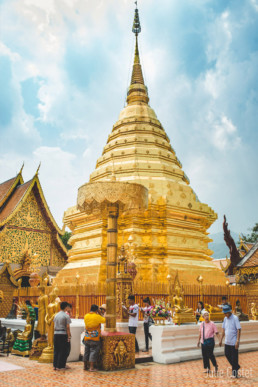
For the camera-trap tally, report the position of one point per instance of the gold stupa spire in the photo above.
(137, 91)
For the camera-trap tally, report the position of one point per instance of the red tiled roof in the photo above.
(5, 187)
(252, 261)
(14, 200)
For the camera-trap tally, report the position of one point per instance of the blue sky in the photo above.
(64, 71)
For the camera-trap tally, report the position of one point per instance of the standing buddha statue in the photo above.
(42, 305)
(52, 309)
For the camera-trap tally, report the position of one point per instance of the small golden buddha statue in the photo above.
(212, 309)
(254, 311)
(182, 314)
(27, 331)
(216, 313)
(178, 302)
(22, 344)
(239, 313)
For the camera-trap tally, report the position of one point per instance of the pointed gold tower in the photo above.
(172, 234)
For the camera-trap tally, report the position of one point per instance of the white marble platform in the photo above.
(173, 344)
(77, 329)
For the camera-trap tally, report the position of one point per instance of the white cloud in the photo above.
(78, 135)
(225, 134)
(87, 153)
(254, 4)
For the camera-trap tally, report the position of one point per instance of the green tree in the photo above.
(65, 238)
(253, 237)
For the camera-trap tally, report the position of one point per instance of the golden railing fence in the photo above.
(96, 294)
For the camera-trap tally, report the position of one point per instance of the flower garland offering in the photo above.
(160, 310)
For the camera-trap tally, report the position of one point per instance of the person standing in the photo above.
(133, 313)
(199, 310)
(62, 336)
(147, 321)
(224, 302)
(231, 329)
(206, 335)
(93, 321)
(68, 345)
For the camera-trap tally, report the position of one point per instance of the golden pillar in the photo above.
(111, 268)
(108, 197)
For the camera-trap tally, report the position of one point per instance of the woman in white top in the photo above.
(147, 320)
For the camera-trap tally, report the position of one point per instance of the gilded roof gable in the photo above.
(23, 194)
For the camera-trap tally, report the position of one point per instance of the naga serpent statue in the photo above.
(234, 254)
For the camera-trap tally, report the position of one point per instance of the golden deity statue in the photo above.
(40, 343)
(120, 353)
(27, 331)
(254, 311)
(182, 314)
(239, 313)
(216, 314)
(23, 342)
(52, 309)
(178, 302)
(42, 311)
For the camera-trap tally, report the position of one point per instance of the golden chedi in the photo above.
(172, 233)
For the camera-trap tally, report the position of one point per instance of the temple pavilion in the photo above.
(29, 235)
(172, 233)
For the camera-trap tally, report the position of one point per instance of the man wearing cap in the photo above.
(231, 329)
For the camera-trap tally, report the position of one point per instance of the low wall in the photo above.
(173, 344)
(77, 329)
(170, 343)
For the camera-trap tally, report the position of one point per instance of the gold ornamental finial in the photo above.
(137, 91)
(137, 76)
(21, 169)
(136, 23)
(38, 169)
